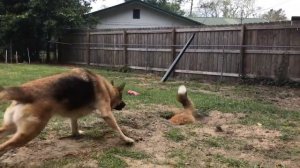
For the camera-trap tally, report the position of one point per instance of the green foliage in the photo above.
(168, 5)
(274, 15)
(227, 8)
(38, 21)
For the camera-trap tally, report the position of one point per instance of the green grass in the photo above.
(175, 134)
(128, 153)
(54, 163)
(282, 153)
(166, 114)
(224, 142)
(230, 162)
(12, 75)
(112, 158)
(154, 92)
(181, 157)
(111, 161)
(216, 142)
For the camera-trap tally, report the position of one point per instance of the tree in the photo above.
(209, 8)
(226, 8)
(168, 5)
(13, 17)
(274, 15)
(191, 7)
(33, 23)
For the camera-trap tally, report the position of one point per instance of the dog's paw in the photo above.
(80, 132)
(129, 140)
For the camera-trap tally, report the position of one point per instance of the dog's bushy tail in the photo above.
(15, 93)
(183, 98)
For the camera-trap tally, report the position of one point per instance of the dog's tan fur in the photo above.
(185, 115)
(35, 102)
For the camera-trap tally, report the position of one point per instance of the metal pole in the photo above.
(10, 51)
(28, 55)
(171, 68)
(16, 57)
(6, 56)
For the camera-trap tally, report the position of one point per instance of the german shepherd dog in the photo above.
(187, 114)
(71, 94)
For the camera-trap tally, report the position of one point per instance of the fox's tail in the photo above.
(15, 93)
(183, 98)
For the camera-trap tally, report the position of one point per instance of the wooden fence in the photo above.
(256, 50)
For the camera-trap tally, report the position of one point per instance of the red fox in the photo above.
(186, 115)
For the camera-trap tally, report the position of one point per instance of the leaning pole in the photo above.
(172, 66)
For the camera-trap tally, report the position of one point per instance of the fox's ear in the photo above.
(121, 87)
(112, 82)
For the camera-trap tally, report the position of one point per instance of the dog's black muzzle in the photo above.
(120, 106)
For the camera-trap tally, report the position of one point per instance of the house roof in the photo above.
(226, 21)
(147, 5)
(194, 20)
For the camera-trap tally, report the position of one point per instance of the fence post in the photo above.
(173, 51)
(147, 55)
(17, 57)
(242, 52)
(88, 58)
(6, 56)
(282, 71)
(28, 55)
(10, 51)
(125, 40)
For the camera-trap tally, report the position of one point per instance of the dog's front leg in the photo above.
(74, 127)
(109, 118)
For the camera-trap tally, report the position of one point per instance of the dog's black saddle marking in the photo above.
(74, 92)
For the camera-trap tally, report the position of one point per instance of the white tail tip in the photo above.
(182, 89)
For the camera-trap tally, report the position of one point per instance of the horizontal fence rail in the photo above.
(255, 50)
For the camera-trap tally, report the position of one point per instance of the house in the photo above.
(138, 14)
(226, 21)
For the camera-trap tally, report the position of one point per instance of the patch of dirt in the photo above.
(283, 97)
(201, 146)
(288, 103)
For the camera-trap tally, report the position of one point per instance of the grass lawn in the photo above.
(260, 106)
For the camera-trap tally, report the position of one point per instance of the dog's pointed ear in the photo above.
(121, 87)
(112, 82)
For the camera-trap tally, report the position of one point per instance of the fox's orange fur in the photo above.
(186, 115)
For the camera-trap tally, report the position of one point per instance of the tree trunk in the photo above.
(191, 9)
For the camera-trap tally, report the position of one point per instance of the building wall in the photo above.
(148, 18)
